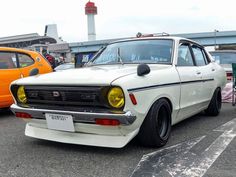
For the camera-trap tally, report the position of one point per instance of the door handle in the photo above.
(198, 72)
(213, 69)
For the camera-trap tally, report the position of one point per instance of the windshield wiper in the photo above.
(97, 54)
(119, 57)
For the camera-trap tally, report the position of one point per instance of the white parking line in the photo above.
(177, 161)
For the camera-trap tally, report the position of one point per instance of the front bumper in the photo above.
(112, 141)
(125, 118)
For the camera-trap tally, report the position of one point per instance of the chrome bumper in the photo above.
(126, 118)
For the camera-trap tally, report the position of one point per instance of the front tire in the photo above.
(215, 104)
(156, 127)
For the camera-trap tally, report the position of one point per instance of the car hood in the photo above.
(94, 75)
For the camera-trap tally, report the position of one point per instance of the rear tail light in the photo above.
(229, 76)
(111, 122)
(23, 115)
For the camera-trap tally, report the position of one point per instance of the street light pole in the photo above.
(215, 31)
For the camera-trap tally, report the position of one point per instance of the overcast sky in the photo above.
(116, 18)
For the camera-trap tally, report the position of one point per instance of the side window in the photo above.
(8, 60)
(25, 60)
(184, 56)
(199, 56)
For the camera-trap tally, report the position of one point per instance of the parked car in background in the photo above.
(15, 64)
(64, 66)
(134, 87)
(225, 58)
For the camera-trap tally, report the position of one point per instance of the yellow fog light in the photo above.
(116, 97)
(21, 94)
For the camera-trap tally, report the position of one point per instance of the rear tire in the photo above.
(215, 104)
(156, 127)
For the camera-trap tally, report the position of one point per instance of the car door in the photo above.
(8, 73)
(207, 70)
(190, 81)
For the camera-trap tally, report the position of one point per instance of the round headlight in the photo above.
(21, 94)
(116, 97)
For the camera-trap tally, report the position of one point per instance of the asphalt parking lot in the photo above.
(200, 143)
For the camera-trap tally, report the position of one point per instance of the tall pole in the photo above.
(215, 31)
(90, 11)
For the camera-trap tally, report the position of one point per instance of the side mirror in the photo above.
(213, 60)
(143, 69)
(34, 72)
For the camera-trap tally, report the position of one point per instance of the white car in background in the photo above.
(225, 58)
(64, 66)
(135, 87)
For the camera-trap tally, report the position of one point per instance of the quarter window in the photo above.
(25, 60)
(184, 56)
(199, 56)
(8, 60)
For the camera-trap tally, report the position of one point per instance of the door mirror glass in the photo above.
(34, 72)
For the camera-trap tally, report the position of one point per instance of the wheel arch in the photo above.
(163, 97)
(167, 99)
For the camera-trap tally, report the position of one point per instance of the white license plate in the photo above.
(60, 122)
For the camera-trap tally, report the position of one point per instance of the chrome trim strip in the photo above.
(126, 118)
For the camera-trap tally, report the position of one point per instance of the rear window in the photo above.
(224, 57)
(25, 60)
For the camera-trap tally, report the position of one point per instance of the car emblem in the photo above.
(55, 94)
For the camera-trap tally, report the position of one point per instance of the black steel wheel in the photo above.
(156, 127)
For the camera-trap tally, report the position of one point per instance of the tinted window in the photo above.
(184, 56)
(7, 60)
(199, 56)
(140, 51)
(25, 60)
(224, 58)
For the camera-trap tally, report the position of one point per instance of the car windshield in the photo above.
(224, 57)
(139, 51)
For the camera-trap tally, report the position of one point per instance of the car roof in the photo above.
(175, 38)
(11, 49)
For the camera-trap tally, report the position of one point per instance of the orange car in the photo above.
(15, 64)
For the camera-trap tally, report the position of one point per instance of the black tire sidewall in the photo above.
(149, 131)
(215, 104)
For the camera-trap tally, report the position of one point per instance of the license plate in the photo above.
(60, 122)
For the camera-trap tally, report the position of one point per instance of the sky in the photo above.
(116, 18)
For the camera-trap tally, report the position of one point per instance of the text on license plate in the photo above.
(60, 122)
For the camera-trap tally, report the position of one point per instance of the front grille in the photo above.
(66, 96)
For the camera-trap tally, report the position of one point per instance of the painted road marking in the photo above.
(178, 161)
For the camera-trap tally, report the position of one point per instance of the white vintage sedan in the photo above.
(135, 87)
